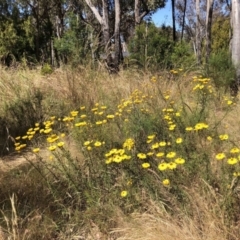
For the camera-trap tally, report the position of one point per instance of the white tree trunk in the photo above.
(235, 44)
(117, 41)
(198, 34)
(235, 19)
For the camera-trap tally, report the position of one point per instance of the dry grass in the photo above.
(205, 222)
(203, 219)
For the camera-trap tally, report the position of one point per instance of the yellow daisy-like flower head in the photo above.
(128, 144)
(179, 161)
(162, 144)
(52, 148)
(209, 138)
(235, 150)
(151, 137)
(160, 154)
(163, 166)
(155, 145)
(220, 156)
(110, 116)
(145, 165)
(179, 140)
(60, 144)
(166, 182)
(232, 161)
(36, 150)
(124, 193)
(150, 154)
(171, 155)
(142, 156)
(97, 144)
(223, 137)
(172, 165)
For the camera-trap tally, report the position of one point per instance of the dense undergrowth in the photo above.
(120, 157)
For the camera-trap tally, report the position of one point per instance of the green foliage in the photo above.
(154, 49)
(182, 55)
(74, 45)
(46, 69)
(221, 69)
(220, 34)
(151, 47)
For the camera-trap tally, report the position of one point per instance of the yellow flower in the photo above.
(160, 154)
(223, 137)
(25, 137)
(128, 144)
(179, 140)
(172, 165)
(179, 160)
(154, 146)
(86, 143)
(110, 116)
(52, 148)
(209, 138)
(236, 174)
(74, 113)
(150, 153)
(17, 138)
(60, 144)
(162, 144)
(117, 159)
(46, 131)
(235, 150)
(166, 182)
(80, 124)
(94, 109)
(18, 148)
(83, 116)
(36, 150)
(124, 193)
(232, 161)
(99, 122)
(97, 144)
(172, 127)
(162, 166)
(220, 156)
(200, 126)
(108, 161)
(189, 129)
(229, 102)
(142, 156)
(151, 137)
(171, 155)
(145, 165)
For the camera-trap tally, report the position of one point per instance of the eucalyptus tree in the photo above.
(107, 12)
